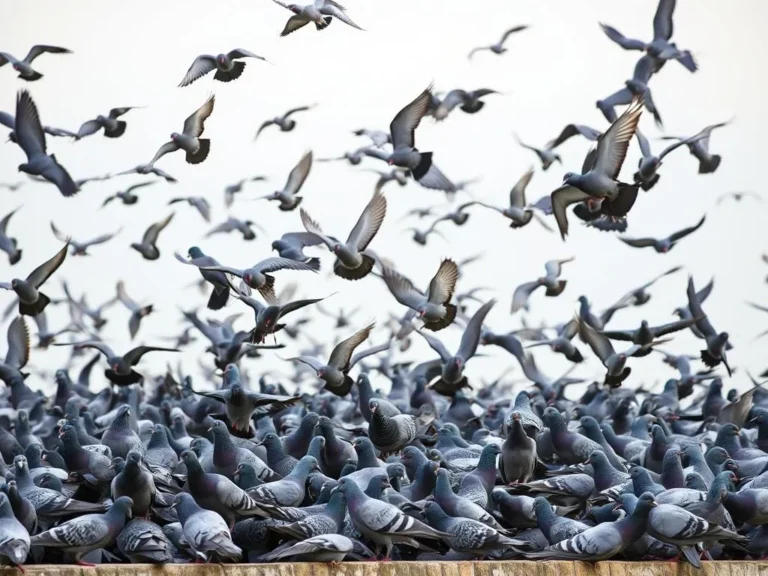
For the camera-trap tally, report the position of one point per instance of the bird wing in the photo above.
(40, 274)
(127, 301)
(227, 226)
(402, 288)
(612, 146)
(195, 124)
(100, 346)
(59, 236)
(166, 148)
(132, 357)
(513, 30)
(443, 283)
(275, 264)
(301, 239)
(561, 199)
(680, 234)
(694, 305)
(139, 185)
(100, 239)
(521, 295)
(18, 343)
(342, 353)
(88, 128)
(38, 49)
(29, 131)
(240, 53)
(434, 179)
(314, 228)
(117, 112)
(369, 223)
(7, 120)
(331, 8)
(624, 335)
(621, 40)
(151, 234)
(638, 242)
(297, 109)
(404, 125)
(376, 153)
(645, 68)
(264, 124)
(600, 344)
(665, 329)
(5, 220)
(199, 68)
(517, 194)
(572, 130)
(645, 147)
(5, 58)
(471, 337)
(313, 363)
(555, 267)
(299, 174)
(662, 20)
(297, 305)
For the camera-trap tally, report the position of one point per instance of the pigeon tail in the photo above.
(355, 273)
(711, 165)
(313, 263)
(472, 107)
(117, 132)
(615, 381)
(291, 206)
(425, 163)
(324, 24)
(218, 298)
(447, 320)
(228, 76)
(35, 308)
(557, 290)
(123, 379)
(15, 258)
(202, 152)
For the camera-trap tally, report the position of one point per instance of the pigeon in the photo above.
(150, 169)
(288, 491)
(393, 433)
(394, 175)
(241, 404)
(547, 156)
(636, 87)
(553, 285)
(555, 528)
(499, 48)
(717, 343)
(197, 202)
(378, 137)
(127, 196)
(383, 523)
(14, 538)
(83, 534)
(405, 155)
(518, 211)
(698, 145)
(604, 540)
(119, 437)
(615, 362)
(30, 137)
(329, 548)
(354, 157)
(81, 248)
(434, 308)
(660, 47)
(24, 67)
(135, 482)
(226, 69)
(320, 12)
(738, 196)
(120, 369)
(298, 175)
(459, 507)
(645, 335)
(78, 460)
(518, 454)
(663, 245)
(570, 447)
(137, 312)
(353, 260)
(233, 189)
(31, 300)
(220, 294)
(284, 122)
(258, 276)
(189, 140)
(468, 102)
(143, 542)
(113, 128)
(205, 531)
(8, 244)
(16, 357)
(291, 246)
(599, 182)
(452, 371)
(647, 167)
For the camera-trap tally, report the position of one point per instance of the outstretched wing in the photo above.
(199, 68)
(195, 124)
(342, 353)
(369, 223)
(40, 274)
(407, 120)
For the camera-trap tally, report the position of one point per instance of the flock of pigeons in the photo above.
(162, 469)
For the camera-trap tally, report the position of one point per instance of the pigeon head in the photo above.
(20, 462)
(133, 458)
(645, 503)
(15, 283)
(195, 252)
(571, 178)
(174, 136)
(123, 505)
(68, 433)
(373, 406)
(221, 58)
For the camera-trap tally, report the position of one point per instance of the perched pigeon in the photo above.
(14, 538)
(205, 531)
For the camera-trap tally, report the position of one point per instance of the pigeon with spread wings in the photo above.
(189, 140)
(284, 122)
(518, 211)
(717, 342)
(335, 373)
(137, 312)
(599, 182)
(551, 282)
(498, 47)
(113, 128)
(288, 195)
(24, 67)
(148, 245)
(353, 260)
(320, 12)
(8, 244)
(698, 146)
(81, 248)
(647, 167)
(31, 300)
(434, 307)
(663, 245)
(226, 69)
(404, 154)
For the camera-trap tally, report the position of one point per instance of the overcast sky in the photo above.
(135, 54)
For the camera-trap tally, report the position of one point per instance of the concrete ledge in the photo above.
(508, 568)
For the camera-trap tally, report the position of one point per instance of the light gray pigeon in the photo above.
(320, 13)
(24, 67)
(148, 245)
(393, 433)
(284, 122)
(290, 490)
(226, 69)
(518, 211)
(113, 128)
(189, 140)
(717, 342)
(143, 542)
(550, 281)
(8, 244)
(14, 539)
(329, 548)
(468, 101)
(83, 534)
(663, 245)
(81, 248)
(698, 145)
(498, 48)
(205, 531)
(288, 195)
(197, 202)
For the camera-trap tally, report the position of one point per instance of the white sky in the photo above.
(135, 54)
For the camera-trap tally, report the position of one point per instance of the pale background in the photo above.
(134, 54)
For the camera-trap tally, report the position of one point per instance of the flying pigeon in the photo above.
(8, 244)
(148, 245)
(113, 128)
(81, 248)
(663, 245)
(320, 12)
(287, 196)
(226, 69)
(31, 300)
(24, 67)
(284, 122)
(189, 140)
(127, 196)
(499, 48)
(197, 202)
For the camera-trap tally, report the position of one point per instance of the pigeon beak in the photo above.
(210, 429)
